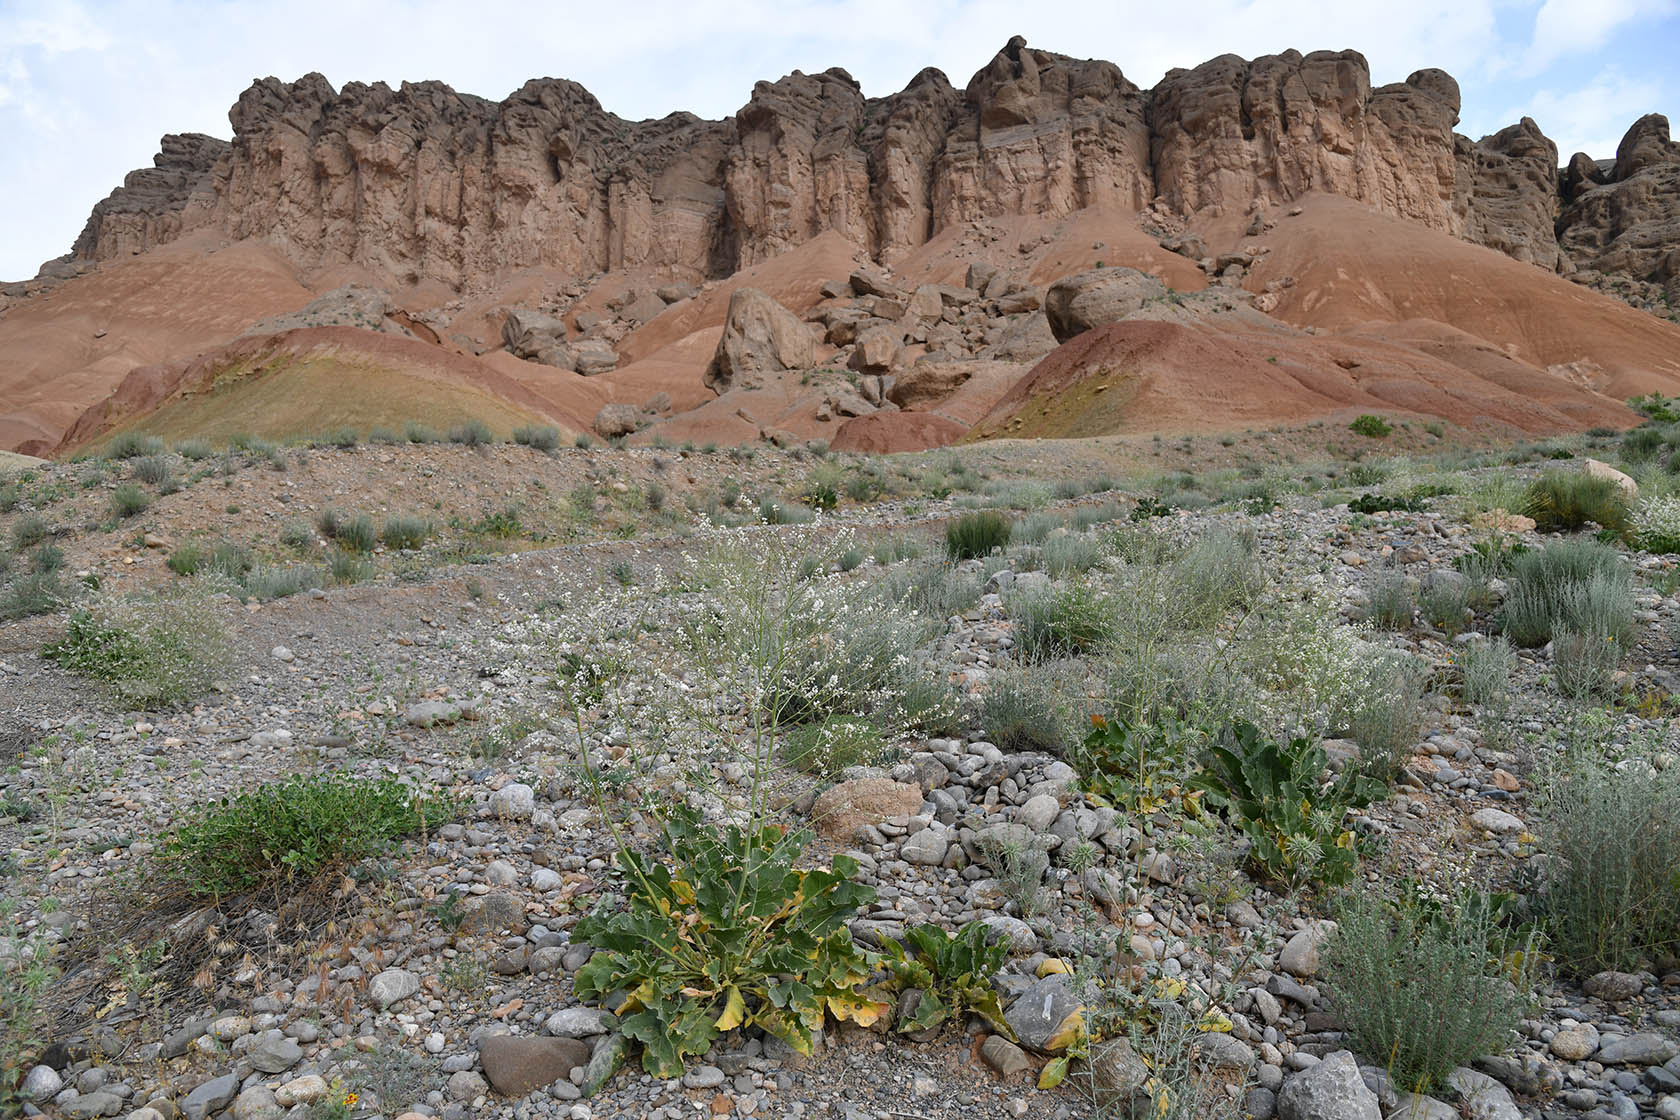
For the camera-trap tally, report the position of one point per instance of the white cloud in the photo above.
(1594, 117)
(1572, 27)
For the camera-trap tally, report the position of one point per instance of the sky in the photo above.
(88, 87)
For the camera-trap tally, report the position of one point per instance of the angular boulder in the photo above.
(1330, 1090)
(841, 810)
(516, 1065)
(616, 420)
(527, 333)
(1074, 304)
(759, 336)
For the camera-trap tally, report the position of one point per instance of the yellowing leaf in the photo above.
(1053, 1073)
(1071, 1030)
(859, 1009)
(734, 1010)
(1169, 988)
(1345, 840)
(1055, 966)
(1214, 1022)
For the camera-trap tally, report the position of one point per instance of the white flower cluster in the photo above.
(1656, 523)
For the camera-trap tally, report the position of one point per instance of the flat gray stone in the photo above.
(1481, 1097)
(210, 1097)
(392, 986)
(1300, 956)
(1039, 1012)
(1642, 1049)
(1330, 1090)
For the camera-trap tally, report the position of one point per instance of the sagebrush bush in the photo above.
(1385, 714)
(348, 567)
(1215, 575)
(29, 530)
(276, 581)
(416, 432)
(1444, 601)
(1564, 501)
(1416, 985)
(284, 834)
(1067, 554)
(155, 651)
(356, 533)
(1389, 601)
(542, 437)
(1485, 670)
(829, 746)
(193, 450)
(1612, 836)
(1578, 585)
(153, 469)
(976, 534)
(132, 445)
(28, 595)
(1021, 711)
(128, 500)
(405, 532)
(222, 558)
(931, 588)
(1062, 622)
(472, 433)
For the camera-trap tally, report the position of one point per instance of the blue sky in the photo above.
(86, 88)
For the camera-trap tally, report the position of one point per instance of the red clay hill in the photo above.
(1050, 251)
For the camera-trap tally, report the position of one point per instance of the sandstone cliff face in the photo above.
(155, 204)
(421, 182)
(1628, 221)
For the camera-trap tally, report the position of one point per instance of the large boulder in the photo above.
(759, 336)
(528, 333)
(876, 352)
(515, 1065)
(841, 810)
(616, 420)
(1075, 304)
(1330, 1090)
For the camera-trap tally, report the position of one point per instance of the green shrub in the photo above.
(1022, 712)
(129, 500)
(1420, 989)
(1068, 554)
(472, 433)
(1137, 767)
(347, 567)
(1382, 503)
(46, 558)
(1612, 834)
(1584, 663)
(891, 550)
(772, 512)
(283, 835)
(850, 559)
(1061, 622)
(29, 595)
(1643, 443)
(405, 532)
(1385, 713)
(297, 536)
(932, 589)
(383, 435)
(269, 582)
(223, 558)
(543, 437)
(1214, 576)
(342, 438)
(833, 744)
(726, 932)
(583, 442)
(1484, 670)
(131, 445)
(1373, 426)
(416, 432)
(29, 530)
(1564, 501)
(1578, 585)
(976, 534)
(355, 533)
(1389, 604)
(952, 971)
(193, 450)
(1276, 795)
(155, 651)
(10, 498)
(1444, 601)
(154, 469)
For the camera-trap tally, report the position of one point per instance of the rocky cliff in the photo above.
(422, 182)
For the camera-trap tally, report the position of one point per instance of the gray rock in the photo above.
(210, 1097)
(431, 713)
(275, 1053)
(1497, 821)
(703, 1077)
(1642, 1049)
(617, 419)
(102, 1102)
(1300, 955)
(926, 848)
(514, 801)
(518, 1064)
(40, 1084)
(1576, 1044)
(580, 1022)
(391, 986)
(1330, 1090)
(1613, 987)
(257, 1103)
(1412, 1106)
(1261, 1103)
(1481, 1097)
(1219, 1050)
(1116, 1077)
(494, 912)
(1022, 939)
(1008, 1059)
(465, 1085)
(1039, 1012)
(1039, 812)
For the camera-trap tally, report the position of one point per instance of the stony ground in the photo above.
(411, 983)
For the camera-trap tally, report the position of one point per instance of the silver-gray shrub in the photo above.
(1385, 713)
(1611, 834)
